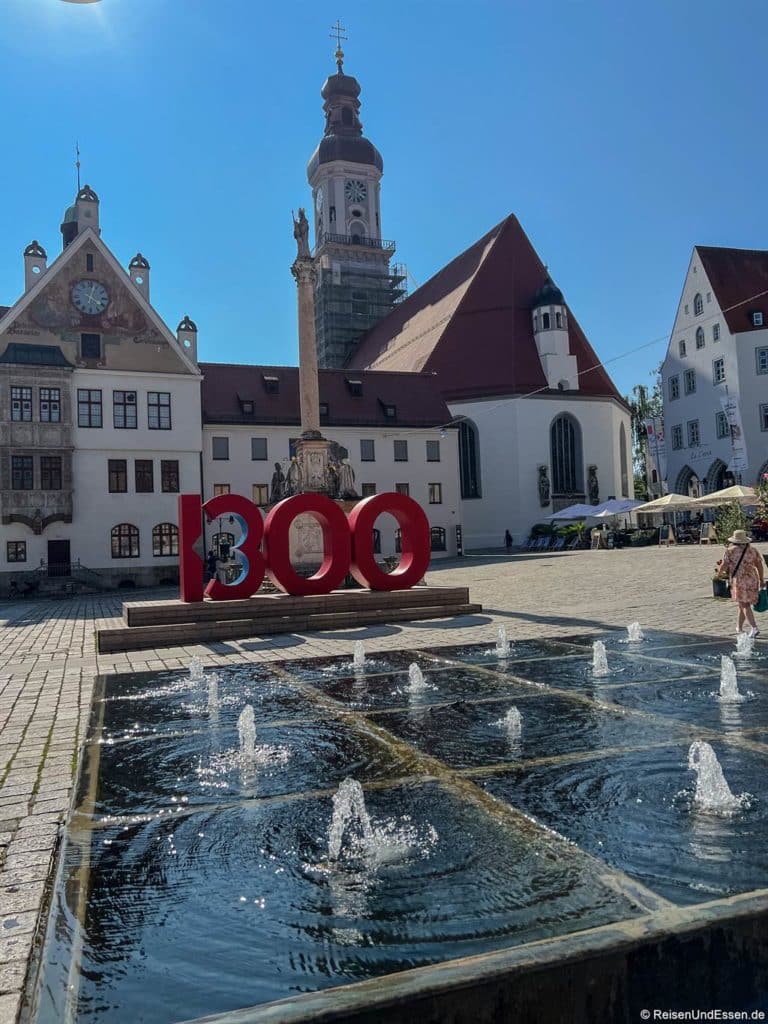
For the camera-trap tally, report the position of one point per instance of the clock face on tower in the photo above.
(90, 297)
(355, 190)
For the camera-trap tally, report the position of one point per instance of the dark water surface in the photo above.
(192, 881)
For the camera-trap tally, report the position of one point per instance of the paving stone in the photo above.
(16, 946)
(9, 1007)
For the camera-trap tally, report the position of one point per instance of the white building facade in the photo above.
(715, 373)
(99, 417)
(389, 427)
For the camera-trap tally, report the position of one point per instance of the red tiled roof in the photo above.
(736, 275)
(416, 397)
(471, 324)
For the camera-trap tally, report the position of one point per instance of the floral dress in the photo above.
(745, 585)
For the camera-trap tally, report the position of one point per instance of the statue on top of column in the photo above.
(301, 234)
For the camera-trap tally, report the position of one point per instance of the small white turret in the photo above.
(138, 268)
(35, 264)
(550, 329)
(186, 334)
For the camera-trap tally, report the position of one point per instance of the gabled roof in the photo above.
(11, 313)
(227, 387)
(736, 275)
(471, 324)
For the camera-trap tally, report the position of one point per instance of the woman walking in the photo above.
(745, 570)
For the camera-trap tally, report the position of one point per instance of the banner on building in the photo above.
(657, 450)
(739, 462)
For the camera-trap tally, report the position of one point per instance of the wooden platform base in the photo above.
(173, 624)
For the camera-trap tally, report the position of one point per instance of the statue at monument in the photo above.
(332, 480)
(543, 487)
(293, 479)
(301, 234)
(593, 487)
(277, 487)
(347, 480)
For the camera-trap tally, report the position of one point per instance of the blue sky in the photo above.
(620, 134)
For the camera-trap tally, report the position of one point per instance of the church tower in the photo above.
(356, 287)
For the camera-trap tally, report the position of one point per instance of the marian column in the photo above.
(312, 448)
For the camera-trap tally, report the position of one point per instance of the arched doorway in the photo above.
(715, 480)
(688, 483)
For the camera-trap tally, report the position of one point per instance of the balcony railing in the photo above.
(365, 242)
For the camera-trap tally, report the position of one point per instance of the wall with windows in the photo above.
(514, 437)
(420, 462)
(129, 471)
(704, 363)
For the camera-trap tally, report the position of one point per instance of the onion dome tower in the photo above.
(355, 286)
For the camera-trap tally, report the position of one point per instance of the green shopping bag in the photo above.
(762, 601)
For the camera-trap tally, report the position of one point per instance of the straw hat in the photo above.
(739, 537)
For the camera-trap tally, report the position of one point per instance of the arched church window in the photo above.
(545, 321)
(469, 460)
(535, 321)
(559, 319)
(698, 304)
(623, 461)
(356, 230)
(565, 446)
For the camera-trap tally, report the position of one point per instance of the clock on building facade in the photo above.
(90, 297)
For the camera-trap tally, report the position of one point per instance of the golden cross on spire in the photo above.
(337, 31)
(77, 163)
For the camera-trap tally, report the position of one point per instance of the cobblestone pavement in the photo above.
(48, 662)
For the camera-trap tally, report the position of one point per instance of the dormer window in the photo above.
(757, 319)
(246, 407)
(390, 411)
(271, 384)
(355, 387)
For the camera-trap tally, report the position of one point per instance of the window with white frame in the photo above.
(433, 451)
(718, 371)
(50, 405)
(721, 425)
(715, 332)
(220, 448)
(258, 449)
(761, 356)
(159, 410)
(694, 439)
(435, 494)
(698, 305)
(677, 436)
(757, 319)
(260, 494)
(401, 451)
(681, 348)
(367, 451)
(689, 381)
(700, 342)
(21, 404)
(674, 387)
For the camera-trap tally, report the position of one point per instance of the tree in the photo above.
(643, 403)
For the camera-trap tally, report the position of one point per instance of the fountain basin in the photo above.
(218, 909)
(634, 811)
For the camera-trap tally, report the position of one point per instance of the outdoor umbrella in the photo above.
(573, 512)
(615, 507)
(739, 493)
(667, 503)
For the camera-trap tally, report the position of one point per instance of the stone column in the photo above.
(305, 274)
